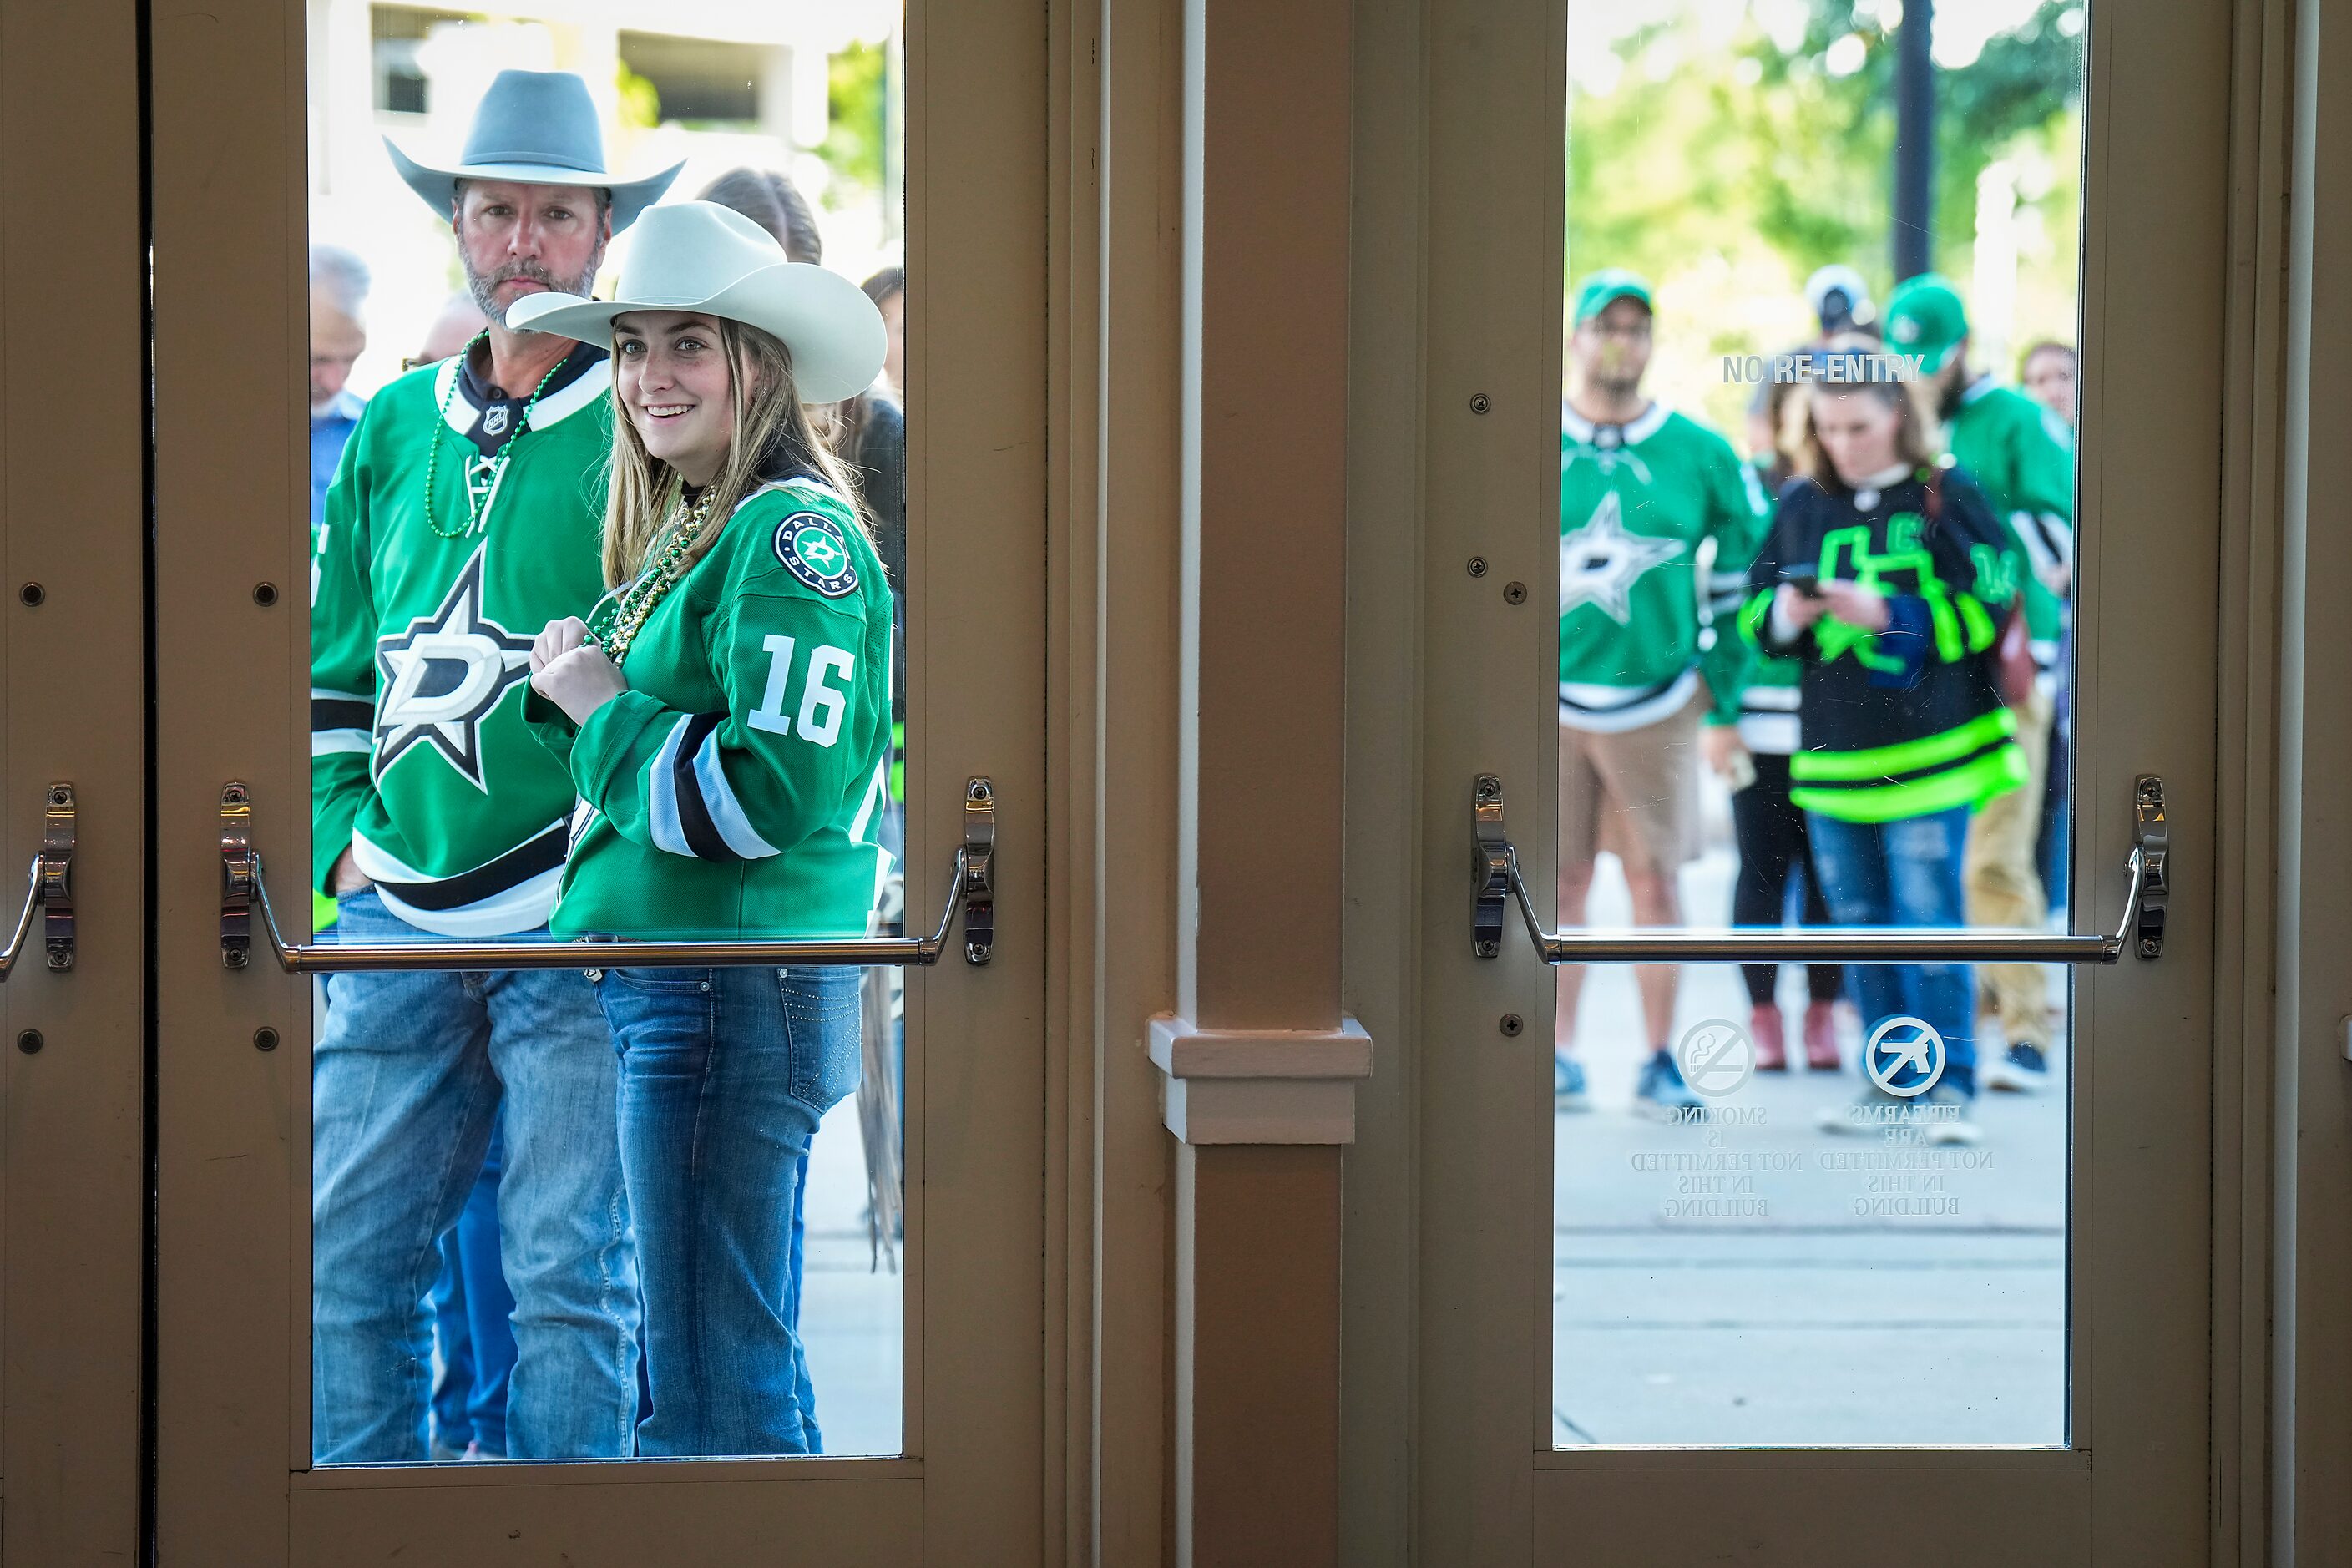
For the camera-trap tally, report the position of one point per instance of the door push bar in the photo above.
(244, 894)
(1496, 871)
(50, 888)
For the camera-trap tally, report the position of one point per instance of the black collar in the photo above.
(497, 413)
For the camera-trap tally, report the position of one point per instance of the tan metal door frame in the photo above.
(234, 1483)
(72, 683)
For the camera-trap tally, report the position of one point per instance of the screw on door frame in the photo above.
(1515, 593)
(1511, 1024)
(30, 1041)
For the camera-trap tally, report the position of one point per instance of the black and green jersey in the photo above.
(1908, 721)
(2023, 458)
(420, 643)
(1637, 501)
(736, 788)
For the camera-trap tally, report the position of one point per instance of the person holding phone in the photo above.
(1890, 578)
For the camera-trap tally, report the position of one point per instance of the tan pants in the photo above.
(2005, 890)
(1634, 792)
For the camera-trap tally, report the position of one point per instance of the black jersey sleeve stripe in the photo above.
(342, 713)
(702, 835)
(535, 857)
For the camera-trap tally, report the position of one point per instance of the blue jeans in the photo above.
(411, 1072)
(473, 1324)
(1903, 873)
(724, 1075)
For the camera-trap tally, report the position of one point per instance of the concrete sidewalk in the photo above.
(1757, 1280)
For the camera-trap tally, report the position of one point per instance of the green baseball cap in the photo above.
(1604, 288)
(1925, 317)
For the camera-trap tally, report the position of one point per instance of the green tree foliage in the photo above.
(856, 98)
(1727, 163)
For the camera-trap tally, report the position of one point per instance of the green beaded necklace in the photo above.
(476, 520)
(616, 631)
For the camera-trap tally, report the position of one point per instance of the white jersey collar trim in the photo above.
(457, 413)
(1652, 420)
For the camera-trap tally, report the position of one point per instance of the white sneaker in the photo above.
(2020, 1069)
(1947, 1119)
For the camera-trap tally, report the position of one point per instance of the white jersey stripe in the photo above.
(726, 812)
(661, 794)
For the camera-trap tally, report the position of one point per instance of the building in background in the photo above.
(809, 86)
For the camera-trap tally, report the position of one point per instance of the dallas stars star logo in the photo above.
(445, 675)
(1599, 563)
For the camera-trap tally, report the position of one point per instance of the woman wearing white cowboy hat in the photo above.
(725, 715)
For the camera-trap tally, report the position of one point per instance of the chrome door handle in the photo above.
(244, 895)
(49, 888)
(1496, 872)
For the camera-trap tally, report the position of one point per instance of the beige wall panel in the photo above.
(858, 1524)
(72, 709)
(1816, 1517)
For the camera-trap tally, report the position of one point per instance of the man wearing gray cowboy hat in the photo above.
(465, 516)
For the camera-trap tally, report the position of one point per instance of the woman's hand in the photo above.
(555, 639)
(1797, 610)
(579, 681)
(1856, 605)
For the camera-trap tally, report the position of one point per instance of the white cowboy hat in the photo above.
(533, 128)
(714, 261)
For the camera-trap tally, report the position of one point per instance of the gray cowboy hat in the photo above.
(712, 260)
(533, 128)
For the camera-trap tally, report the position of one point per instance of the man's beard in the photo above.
(484, 286)
(1616, 388)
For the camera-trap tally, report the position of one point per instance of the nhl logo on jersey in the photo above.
(812, 549)
(494, 419)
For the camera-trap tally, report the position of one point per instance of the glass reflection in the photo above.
(606, 607)
(1823, 682)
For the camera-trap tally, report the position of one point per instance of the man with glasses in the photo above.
(1641, 490)
(464, 516)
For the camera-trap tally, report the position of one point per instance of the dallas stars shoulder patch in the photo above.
(812, 549)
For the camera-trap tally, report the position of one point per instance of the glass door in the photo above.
(502, 1198)
(1820, 1157)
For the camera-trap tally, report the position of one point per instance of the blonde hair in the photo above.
(641, 493)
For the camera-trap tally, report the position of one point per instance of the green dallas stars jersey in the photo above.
(420, 645)
(736, 788)
(2023, 457)
(1637, 501)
